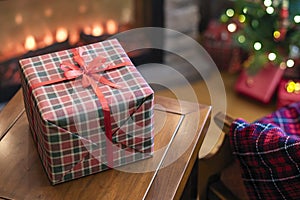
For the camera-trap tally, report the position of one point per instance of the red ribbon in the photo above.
(90, 77)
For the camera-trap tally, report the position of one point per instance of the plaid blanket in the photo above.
(268, 151)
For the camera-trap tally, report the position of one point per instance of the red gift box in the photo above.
(88, 108)
(217, 41)
(262, 85)
(284, 97)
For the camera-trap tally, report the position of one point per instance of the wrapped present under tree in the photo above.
(267, 29)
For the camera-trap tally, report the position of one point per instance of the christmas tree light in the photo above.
(268, 30)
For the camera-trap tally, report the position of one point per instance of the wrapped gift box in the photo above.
(217, 41)
(287, 95)
(262, 85)
(89, 110)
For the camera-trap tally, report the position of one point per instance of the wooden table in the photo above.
(180, 129)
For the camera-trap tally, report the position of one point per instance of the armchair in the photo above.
(259, 160)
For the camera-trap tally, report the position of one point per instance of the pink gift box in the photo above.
(284, 97)
(261, 86)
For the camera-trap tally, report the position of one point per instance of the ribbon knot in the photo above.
(89, 72)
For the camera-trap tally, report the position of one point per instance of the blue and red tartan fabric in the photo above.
(268, 151)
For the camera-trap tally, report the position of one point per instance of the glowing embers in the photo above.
(30, 43)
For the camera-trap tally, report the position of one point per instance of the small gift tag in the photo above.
(262, 85)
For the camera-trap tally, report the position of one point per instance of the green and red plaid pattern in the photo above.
(268, 151)
(67, 120)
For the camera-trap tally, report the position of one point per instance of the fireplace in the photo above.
(33, 27)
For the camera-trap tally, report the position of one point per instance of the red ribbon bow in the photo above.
(86, 71)
(89, 74)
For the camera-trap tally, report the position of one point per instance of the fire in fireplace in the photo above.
(33, 27)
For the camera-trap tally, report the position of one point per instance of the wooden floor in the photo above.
(237, 105)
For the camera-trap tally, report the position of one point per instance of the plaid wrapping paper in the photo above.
(268, 151)
(67, 120)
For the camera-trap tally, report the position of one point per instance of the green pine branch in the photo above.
(259, 27)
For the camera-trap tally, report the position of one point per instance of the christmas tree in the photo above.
(268, 30)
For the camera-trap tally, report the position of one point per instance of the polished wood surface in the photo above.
(223, 121)
(179, 131)
(11, 113)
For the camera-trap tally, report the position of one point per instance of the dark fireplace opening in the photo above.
(33, 27)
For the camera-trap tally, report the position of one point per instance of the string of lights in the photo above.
(268, 30)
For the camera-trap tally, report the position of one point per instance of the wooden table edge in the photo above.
(11, 112)
(194, 155)
(196, 146)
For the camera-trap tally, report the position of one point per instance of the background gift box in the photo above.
(288, 92)
(218, 42)
(262, 85)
